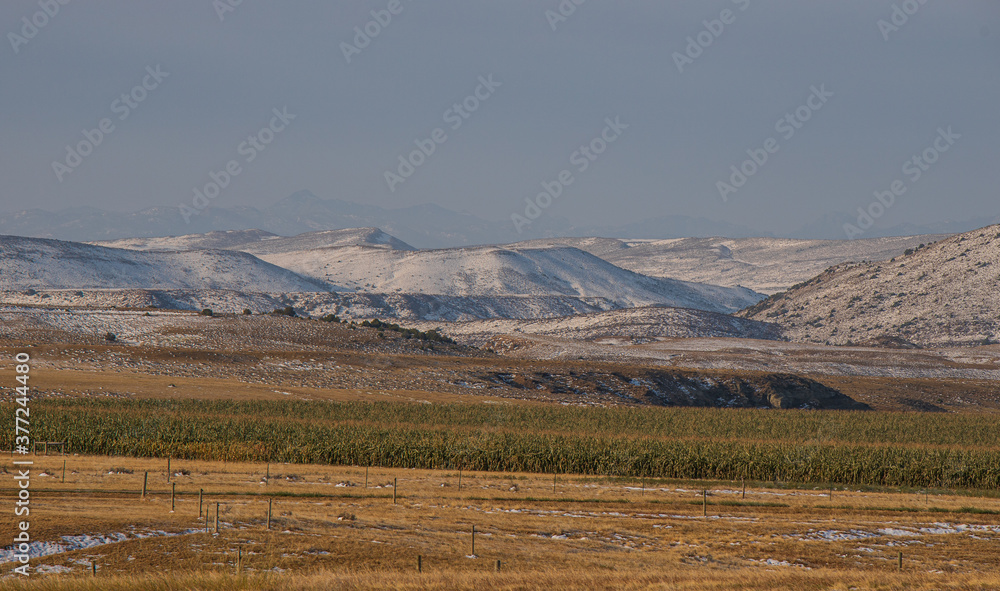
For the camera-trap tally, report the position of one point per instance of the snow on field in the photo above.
(128, 326)
(933, 529)
(83, 542)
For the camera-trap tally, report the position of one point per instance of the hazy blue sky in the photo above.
(354, 120)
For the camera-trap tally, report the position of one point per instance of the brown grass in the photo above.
(594, 533)
(620, 579)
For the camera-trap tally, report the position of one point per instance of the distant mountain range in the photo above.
(363, 260)
(34, 263)
(423, 226)
(259, 242)
(766, 265)
(907, 291)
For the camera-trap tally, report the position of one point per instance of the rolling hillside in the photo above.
(34, 263)
(947, 293)
(496, 271)
(766, 265)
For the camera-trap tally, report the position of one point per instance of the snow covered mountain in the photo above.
(545, 281)
(498, 271)
(35, 263)
(947, 293)
(767, 265)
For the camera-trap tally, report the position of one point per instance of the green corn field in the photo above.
(821, 447)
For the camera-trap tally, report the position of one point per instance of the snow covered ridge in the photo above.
(366, 261)
(34, 263)
(767, 265)
(499, 271)
(946, 293)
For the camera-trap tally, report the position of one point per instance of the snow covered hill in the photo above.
(947, 293)
(767, 265)
(371, 261)
(34, 263)
(497, 271)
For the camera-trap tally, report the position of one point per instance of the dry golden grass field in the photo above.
(331, 531)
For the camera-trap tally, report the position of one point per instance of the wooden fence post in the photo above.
(216, 517)
(269, 513)
(173, 494)
(393, 491)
